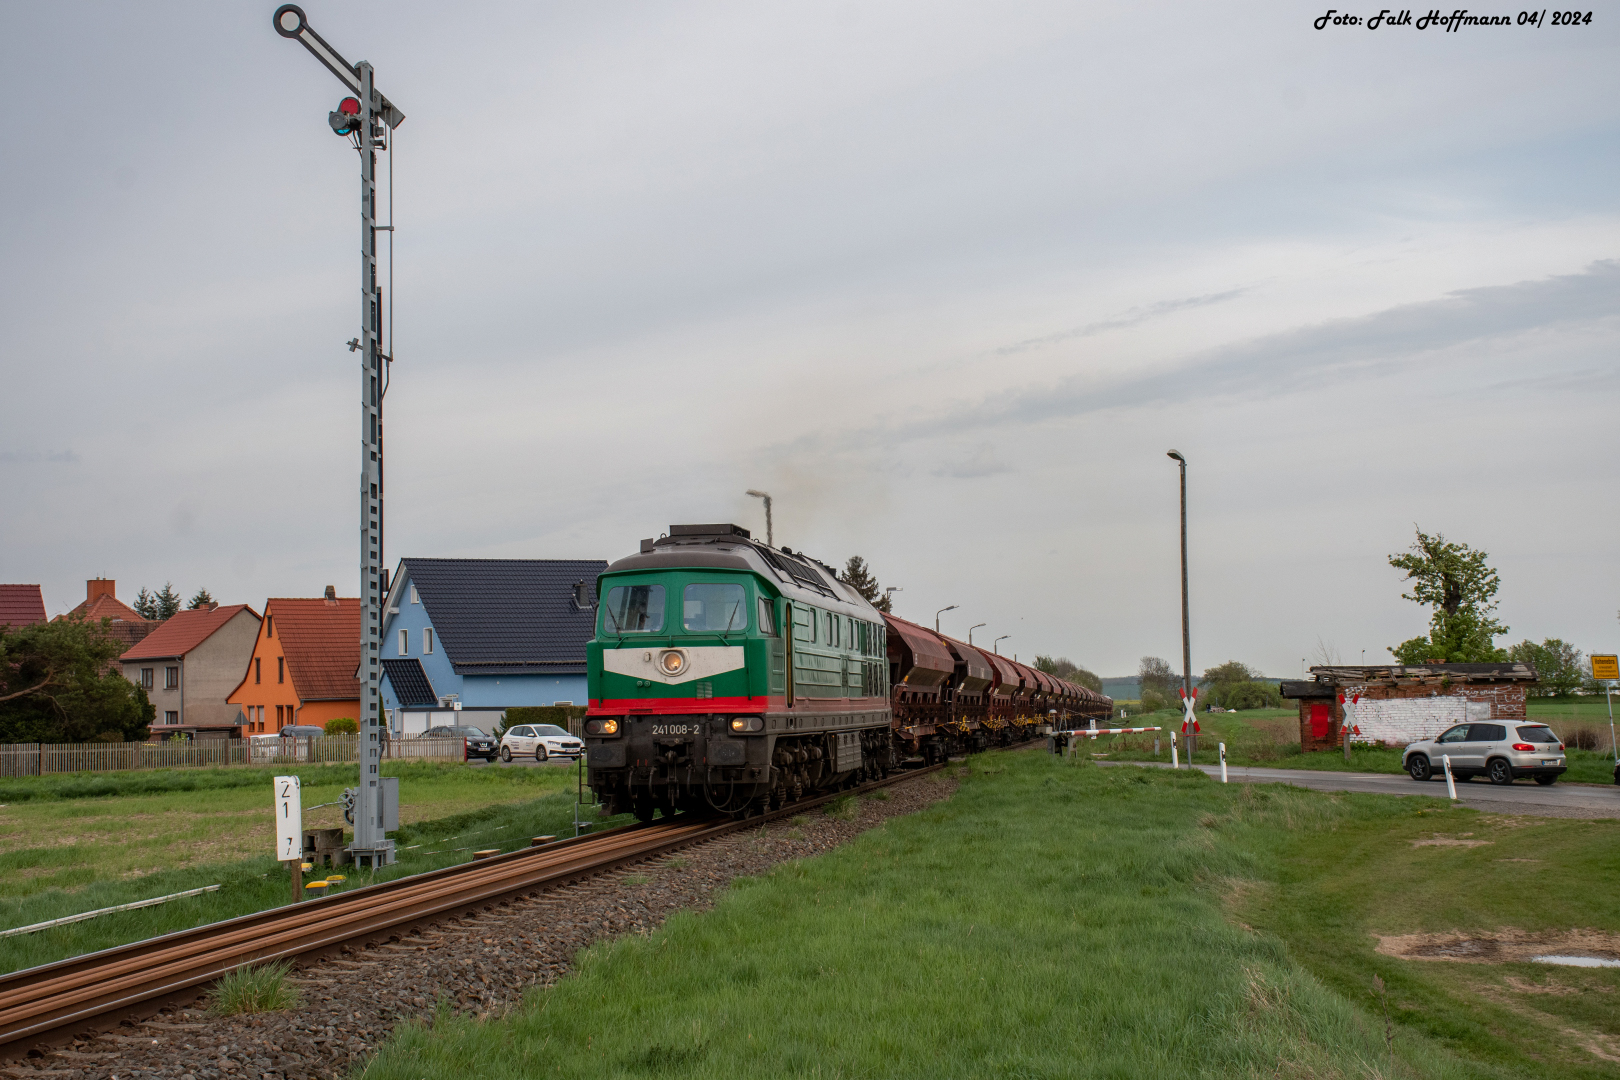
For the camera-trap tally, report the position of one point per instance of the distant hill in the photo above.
(1126, 688)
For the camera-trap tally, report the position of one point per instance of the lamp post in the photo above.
(996, 648)
(972, 628)
(367, 120)
(770, 540)
(1186, 637)
(940, 612)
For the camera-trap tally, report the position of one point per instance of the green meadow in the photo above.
(1054, 919)
(80, 842)
(1270, 738)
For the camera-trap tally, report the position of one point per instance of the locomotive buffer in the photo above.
(368, 119)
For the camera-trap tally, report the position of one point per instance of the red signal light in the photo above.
(349, 105)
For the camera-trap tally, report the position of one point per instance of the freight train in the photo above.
(728, 675)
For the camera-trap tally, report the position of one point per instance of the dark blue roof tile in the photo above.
(508, 616)
(410, 682)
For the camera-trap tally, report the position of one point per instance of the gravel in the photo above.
(478, 964)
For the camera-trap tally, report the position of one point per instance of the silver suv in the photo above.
(1502, 751)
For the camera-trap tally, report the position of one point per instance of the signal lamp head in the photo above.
(345, 119)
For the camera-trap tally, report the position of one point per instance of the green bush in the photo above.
(1245, 695)
(343, 725)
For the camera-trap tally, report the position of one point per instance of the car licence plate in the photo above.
(1549, 761)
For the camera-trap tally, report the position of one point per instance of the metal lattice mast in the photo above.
(365, 119)
(368, 820)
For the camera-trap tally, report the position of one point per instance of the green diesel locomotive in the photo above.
(727, 675)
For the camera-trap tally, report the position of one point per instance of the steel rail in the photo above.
(73, 992)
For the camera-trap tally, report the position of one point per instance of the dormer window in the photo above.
(414, 598)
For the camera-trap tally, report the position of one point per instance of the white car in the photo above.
(543, 741)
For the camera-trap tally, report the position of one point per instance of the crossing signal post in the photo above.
(368, 119)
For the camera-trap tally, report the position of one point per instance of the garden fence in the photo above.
(37, 759)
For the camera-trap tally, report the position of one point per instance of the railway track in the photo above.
(100, 989)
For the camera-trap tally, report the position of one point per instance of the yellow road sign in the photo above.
(1605, 667)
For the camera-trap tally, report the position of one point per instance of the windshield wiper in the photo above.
(734, 609)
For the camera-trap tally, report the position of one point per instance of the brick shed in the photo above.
(1401, 704)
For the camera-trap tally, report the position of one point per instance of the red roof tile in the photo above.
(20, 605)
(321, 640)
(183, 631)
(127, 625)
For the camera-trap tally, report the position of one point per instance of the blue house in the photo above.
(466, 639)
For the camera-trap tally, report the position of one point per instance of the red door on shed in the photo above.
(1321, 719)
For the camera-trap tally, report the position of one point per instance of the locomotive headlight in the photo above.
(672, 661)
(747, 723)
(608, 726)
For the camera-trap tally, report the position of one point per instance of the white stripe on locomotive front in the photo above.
(702, 662)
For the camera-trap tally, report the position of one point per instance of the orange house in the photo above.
(303, 666)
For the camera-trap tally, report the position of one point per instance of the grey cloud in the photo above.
(1311, 356)
(36, 457)
(980, 463)
(1133, 317)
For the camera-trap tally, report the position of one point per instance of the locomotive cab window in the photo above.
(633, 609)
(714, 607)
(767, 617)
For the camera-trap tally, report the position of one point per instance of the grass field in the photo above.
(80, 842)
(1055, 919)
(1270, 738)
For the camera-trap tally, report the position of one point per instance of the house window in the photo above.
(171, 678)
(146, 678)
(258, 669)
(171, 717)
(414, 598)
(278, 718)
(281, 669)
(261, 717)
(269, 626)
(427, 639)
(404, 642)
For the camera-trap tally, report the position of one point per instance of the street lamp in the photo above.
(996, 648)
(888, 594)
(770, 540)
(1186, 636)
(940, 612)
(972, 628)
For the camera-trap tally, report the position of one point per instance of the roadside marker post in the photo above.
(1451, 784)
(290, 830)
(1175, 762)
(1223, 762)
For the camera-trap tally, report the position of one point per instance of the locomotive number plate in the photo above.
(674, 729)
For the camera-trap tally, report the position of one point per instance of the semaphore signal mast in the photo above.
(368, 119)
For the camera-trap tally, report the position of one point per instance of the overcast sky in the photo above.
(947, 279)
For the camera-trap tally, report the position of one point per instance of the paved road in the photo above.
(1522, 797)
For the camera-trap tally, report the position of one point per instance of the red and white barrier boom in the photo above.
(1094, 732)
